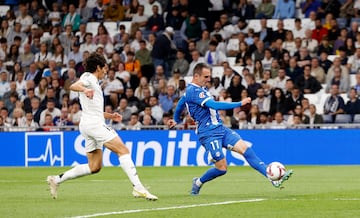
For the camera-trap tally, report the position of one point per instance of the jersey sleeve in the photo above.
(198, 96)
(86, 79)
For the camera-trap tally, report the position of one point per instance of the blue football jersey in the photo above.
(195, 99)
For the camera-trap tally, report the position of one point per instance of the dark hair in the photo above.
(198, 68)
(93, 61)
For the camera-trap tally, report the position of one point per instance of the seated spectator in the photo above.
(143, 55)
(115, 11)
(278, 121)
(50, 109)
(317, 71)
(334, 104)
(167, 100)
(175, 79)
(265, 10)
(319, 32)
(55, 14)
(98, 12)
(113, 89)
(75, 113)
(235, 88)
(48, 123)
(63, 119)
(192, 28)
(203, 44)
(4, 84)
(298, 111)
(252, 86)
(261, 101)
(353, 62)
(280, 80)
(72, 18)
(307, 83)
(293, 71)
(277, 102)
(138, 21)
(155, 21)
(124, 111)
(338, 80)
(309, 6)
(264, 121)
(156, 110)
(181, 64)
(284, 9)
(29, 123)
(293, 100)
(352, 107)
(314, 117)
(134, 123)
(254, 115)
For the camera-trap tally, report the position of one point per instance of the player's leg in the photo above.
(214, 146)
(117, 146)
(94, 154)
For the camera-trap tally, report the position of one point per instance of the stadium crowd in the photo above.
(307, 74)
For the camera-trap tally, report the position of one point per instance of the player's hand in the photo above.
(171, 123)
(89, 93)
(116, 117)
(246, 101)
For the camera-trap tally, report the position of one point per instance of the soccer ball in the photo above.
(275, 171)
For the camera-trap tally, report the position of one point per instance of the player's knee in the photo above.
(95, 169)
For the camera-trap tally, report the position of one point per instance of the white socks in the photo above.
(77, 171)
(128, 166)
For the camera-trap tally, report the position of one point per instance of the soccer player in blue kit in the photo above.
(211, 133)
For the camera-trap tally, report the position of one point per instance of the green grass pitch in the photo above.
(313, 191)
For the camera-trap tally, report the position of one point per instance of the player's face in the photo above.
(102, 71)
(205, 77)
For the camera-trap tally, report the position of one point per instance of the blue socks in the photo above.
(254, 161)
(211, 174)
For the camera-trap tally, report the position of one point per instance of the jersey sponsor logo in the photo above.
(202, 95)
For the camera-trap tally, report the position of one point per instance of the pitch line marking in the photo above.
(169, 208)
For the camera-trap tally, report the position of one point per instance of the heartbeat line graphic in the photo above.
(48, 154)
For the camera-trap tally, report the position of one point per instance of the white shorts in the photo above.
(96, 135)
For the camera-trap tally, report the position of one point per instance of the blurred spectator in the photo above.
(113, 88)
(265, 10)
(29, 122)
(298, 31)
(235, 88)
(347, 9)
(63, 119)
(214, 57)
(54, 14)
(72, 18)
(98, 12)
(314, 118)
(155, 21)
(143, 55)
(326, 46)
(203, 44)
(196, 59)
(173, 17)
(354, 62)
(48, 123)
(134, 123)
(253, 116)
(357, 83)
(281, 79)
(293, 71)
(261, 101)
(124, 110)
(156, 110)
(317, 71)
(163, 50)
(144, 89)
(319, 32)
(334, 104)
(280, 33)
(278, 121)
(75, 113)
(309, 6)
(293, 100)
(131, 9)
(115, 11)
(341, 81)
(180, 64)
(149, 5)
(7, 120)
(24, 19)
(4, 84)
(298, 111)
(132, 66)
(159, 75)
(166, 100)
(84, 11)
(307, 83)
(284, 9)
(277, 102)
(139, 20)
(264, 121)
(41, 58)
(182, 87)
(174, 80)
(50, 109)
(266, 82)
(252, 86)
(245, 10)
(324, 62)
(192, 28)
(352, 107)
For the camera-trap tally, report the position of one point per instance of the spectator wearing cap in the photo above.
(181, 64)
(24, 19)
(163, 49)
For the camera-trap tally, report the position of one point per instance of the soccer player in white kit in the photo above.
(96, 133)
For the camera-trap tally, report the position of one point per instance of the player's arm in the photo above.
(79, 86)
(219, 105)
(113, 116)
(178, 110)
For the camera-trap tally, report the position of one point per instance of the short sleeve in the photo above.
(198, 96)
(86, 79)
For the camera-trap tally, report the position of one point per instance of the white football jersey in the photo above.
(92, 109)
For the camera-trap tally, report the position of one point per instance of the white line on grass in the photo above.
(168, 208)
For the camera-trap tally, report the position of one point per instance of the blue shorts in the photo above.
(216, 139)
